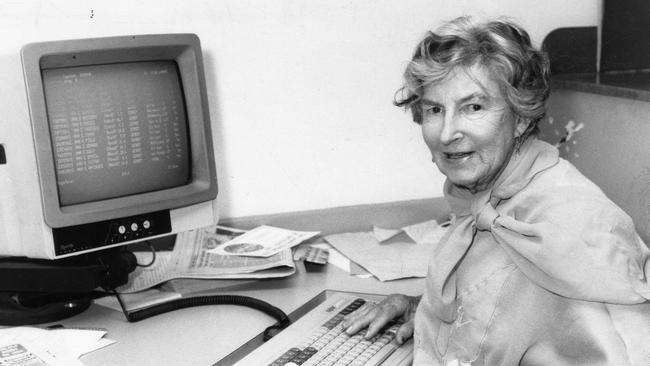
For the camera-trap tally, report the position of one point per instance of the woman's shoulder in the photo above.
(561, 182)
(562, 191)
(565, 175)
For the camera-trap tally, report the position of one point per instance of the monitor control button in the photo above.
(134, 227)
(121, 229)
(146, 224)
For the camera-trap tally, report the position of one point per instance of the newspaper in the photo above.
(192, 258)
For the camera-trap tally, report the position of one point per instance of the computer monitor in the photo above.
(116, 148)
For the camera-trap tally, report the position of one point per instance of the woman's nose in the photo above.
(450, 131)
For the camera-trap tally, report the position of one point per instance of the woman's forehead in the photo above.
(463, 82)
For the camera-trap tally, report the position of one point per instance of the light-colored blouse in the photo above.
(541, 269)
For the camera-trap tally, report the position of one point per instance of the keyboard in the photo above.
(318, 339)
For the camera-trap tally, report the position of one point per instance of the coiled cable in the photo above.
(277, 313)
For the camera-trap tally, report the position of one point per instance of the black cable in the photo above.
(153, 256)
(277, 313)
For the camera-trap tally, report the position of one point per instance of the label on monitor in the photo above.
(72, 239)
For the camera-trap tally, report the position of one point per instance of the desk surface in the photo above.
(204, 335)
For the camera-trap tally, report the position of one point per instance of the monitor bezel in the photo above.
(185, 50)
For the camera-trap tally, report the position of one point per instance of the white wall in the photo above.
(300, 90)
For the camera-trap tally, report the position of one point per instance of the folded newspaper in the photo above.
(193, 256)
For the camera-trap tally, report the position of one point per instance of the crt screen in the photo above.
(116, 129)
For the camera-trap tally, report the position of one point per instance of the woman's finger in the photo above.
(359, 320)
(357, 317)
(404, 332)
(382, 318)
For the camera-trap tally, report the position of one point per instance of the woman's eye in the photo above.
(434, 110)
(473, 110)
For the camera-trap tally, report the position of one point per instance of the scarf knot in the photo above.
(485, 217)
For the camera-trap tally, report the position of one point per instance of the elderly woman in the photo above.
(540, 267)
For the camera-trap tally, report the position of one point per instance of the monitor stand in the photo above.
(18, 309)
(35, 291)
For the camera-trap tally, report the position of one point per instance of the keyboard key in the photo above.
(286, 357)
(305, 355)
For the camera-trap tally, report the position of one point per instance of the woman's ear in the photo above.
(521, 126)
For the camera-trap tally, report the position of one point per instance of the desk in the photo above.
(204, 335)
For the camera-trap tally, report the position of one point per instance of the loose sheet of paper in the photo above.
(387, 256)
(387, 261)
(263, 241)
(30, 346)
(428, 232)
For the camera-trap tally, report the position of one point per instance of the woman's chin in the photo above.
(462, 183)
(460, 176)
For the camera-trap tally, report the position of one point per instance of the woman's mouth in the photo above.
(457, 155)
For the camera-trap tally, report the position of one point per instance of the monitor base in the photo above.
(27, 309)
(34, 291)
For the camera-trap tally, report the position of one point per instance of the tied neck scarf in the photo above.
(560, 262)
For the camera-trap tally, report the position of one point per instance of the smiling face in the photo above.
(469, 128)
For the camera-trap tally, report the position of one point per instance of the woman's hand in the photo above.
(377, 316)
